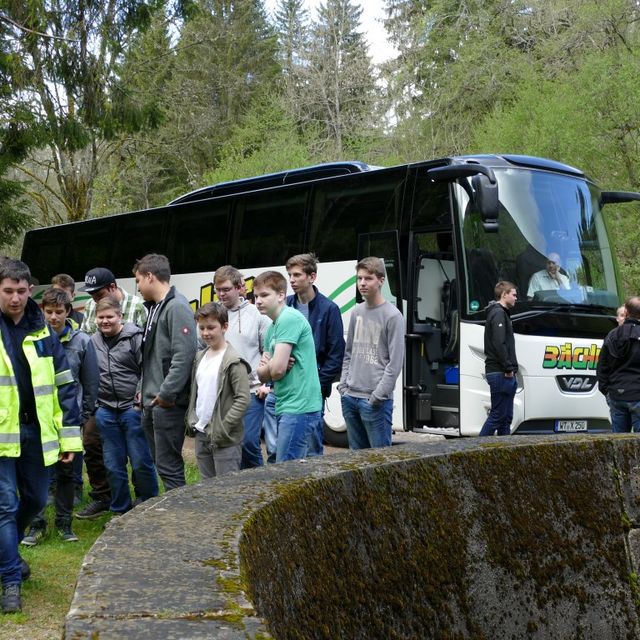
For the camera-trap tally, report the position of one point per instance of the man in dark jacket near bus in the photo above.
(501, 363)
(619, 370)
(326, 324)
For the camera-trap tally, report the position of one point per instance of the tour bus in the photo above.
(448, 231)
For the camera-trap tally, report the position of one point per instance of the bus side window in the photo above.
(136, 235)
(198, 236)
(268, 227)
(346, 208)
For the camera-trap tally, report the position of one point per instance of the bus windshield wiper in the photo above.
(565, 308)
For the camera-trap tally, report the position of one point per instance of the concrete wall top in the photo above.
(477, 538)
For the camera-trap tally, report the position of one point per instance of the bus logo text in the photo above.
(567, 356)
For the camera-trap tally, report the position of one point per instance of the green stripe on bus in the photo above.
(343, 287)
(346, 307)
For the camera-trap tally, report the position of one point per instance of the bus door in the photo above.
(431, 392)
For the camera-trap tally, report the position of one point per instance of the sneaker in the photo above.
(66, 533)
(33, 536)
(93, 510)
(25, 570)
(11, 600)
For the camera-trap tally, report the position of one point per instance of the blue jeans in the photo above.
(625, 415)
(368, 425)
(316, 438)
(503, 391)
(270, 426)
(28, 478)
(251, 450)
(122, 438)
(294, 430)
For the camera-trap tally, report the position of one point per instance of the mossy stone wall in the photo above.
(491, 538)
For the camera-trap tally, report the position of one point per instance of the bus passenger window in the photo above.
(198, 238)
(268, 227)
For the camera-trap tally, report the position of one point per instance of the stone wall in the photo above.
(493, 538)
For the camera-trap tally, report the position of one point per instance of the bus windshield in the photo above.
(552, 243)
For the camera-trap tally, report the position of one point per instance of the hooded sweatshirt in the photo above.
(247, 328)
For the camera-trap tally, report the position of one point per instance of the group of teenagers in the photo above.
(125, 382)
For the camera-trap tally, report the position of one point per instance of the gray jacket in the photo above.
(120, 367)
(168, 351)
(81, 357)
(226, 427)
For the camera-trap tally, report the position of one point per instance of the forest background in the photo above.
(108, 106)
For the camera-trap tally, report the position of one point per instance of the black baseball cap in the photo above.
(96, 279)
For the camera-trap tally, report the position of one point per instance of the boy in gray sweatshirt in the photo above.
(372, 362)
(246, 331)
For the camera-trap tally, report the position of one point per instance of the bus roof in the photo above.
(291, 176)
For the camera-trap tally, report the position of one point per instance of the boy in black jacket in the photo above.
(501, 363)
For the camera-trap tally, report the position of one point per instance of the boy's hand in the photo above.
(66, 456)
(263, 391)
(264, 359)
(161, 403)
(291, 362)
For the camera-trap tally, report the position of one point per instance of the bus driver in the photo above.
(548, 278)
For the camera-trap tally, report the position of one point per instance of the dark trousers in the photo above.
(94, 462)
(164, 430)
(65, 484)
(503, 391)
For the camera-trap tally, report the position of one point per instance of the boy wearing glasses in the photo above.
(246, 332)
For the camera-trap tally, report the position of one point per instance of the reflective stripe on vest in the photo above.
(10, 438)
(7, 381)
(64, 377)
(70, 432)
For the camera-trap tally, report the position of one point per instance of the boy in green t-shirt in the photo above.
(290, 362)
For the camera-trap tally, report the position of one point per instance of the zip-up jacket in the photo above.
(169, 348)
(328, 336)
(120, 367)
(83, 364)
(226, 427)
(53, 387)
(499, 343)
(618, 369)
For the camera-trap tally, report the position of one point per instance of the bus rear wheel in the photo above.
(335, 438)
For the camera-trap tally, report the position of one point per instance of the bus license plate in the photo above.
(570, 426)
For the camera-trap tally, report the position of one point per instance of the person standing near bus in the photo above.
(99, 283)
(501, 364)
(618, 370)
(246, 332)
(118, 346)
(170, 343)
(65, 282)
(372, 362)
(328, 332)
(289, 361)
(81, 356)
(41, 424)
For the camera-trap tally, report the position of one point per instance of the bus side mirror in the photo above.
(612, 197)
(486, 201)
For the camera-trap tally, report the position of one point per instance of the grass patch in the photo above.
(47, 595)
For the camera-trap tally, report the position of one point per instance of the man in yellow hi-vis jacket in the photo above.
(39, 419)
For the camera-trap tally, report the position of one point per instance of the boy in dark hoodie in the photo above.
(219, 396)
(501, 364)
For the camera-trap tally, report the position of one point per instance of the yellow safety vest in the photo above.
(54, 436)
